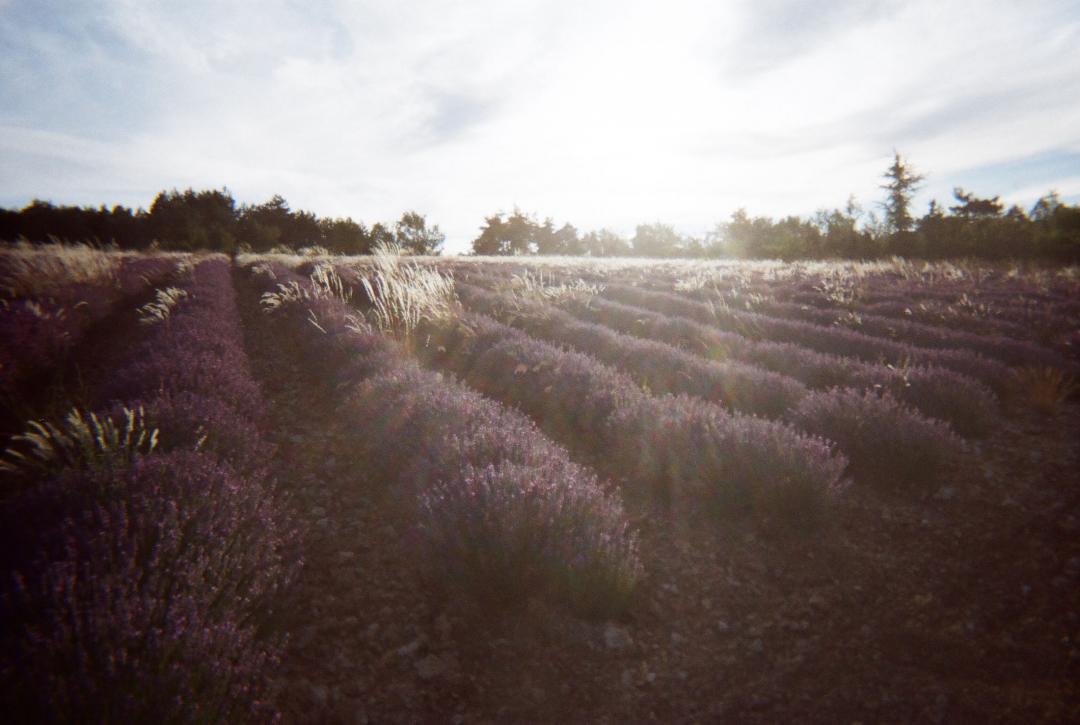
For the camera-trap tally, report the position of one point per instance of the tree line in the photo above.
(212, 220)
(971, 227)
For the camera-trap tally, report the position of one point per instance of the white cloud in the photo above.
(602, 113)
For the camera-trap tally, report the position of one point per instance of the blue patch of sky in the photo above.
(453, 114)
(67, 71)
(778, 31)
(1043, 169)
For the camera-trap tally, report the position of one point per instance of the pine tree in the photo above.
(902, 183)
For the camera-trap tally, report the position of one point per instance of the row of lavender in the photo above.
(677, 449)
(148, 562)
(831, 340)
(1003, 287)
(1019, 298)
(659, 367)
(775, 300)
(748, 299)
(969, 407)
(1029, 304)
(1012, 317)
(38, 330)
(498, 512)
(874, 431)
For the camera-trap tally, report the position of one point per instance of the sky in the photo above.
(601, 113)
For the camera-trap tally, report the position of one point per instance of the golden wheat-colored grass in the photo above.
(35, 270)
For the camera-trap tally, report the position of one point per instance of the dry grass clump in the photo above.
(278, 257)
(403, 295)
(32, 270)
(79, 443)
(840, 289)
(158, 310)
(325, 284)
(263, 269)
(35, 308)
(322, 285)
(709, 277)
(1046, 388)
(530, 287)
(185, 266)
(696, 280)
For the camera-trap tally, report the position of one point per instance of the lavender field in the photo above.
(316, 488)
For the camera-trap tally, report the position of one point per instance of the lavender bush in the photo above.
(506, 531)
(190, 420)
(697, 454)
(954, 314)
(145, 602)
(860, 421)
(967, 405)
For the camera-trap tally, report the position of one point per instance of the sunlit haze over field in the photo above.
(597, 112)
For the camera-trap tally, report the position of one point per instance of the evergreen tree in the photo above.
(902, 183)
(970, 206)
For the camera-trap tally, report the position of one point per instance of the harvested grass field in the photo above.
(393, 489)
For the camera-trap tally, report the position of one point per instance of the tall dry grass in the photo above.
(79, 442)
(161, 307)
(402, 295)
(534, 287)
(325, 284)
(33, 270)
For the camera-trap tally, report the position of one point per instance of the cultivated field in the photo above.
(391, 489)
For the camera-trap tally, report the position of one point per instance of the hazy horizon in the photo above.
(598, 113)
